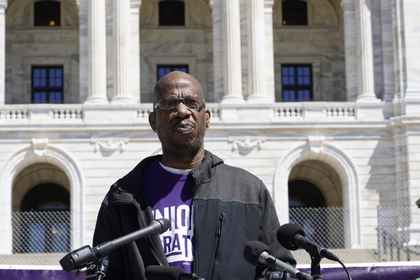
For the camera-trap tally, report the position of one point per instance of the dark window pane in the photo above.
(163, 69)
(171, 13)
(47, 13)
(295, 12)
(47, 84)
(39, 77)
(40, 97)
(296, 82)
(56, 97)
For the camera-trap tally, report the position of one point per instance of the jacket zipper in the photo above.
(194, 240)
(217, 245)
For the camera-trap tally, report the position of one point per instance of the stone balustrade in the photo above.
(316, 111)
(138, 113)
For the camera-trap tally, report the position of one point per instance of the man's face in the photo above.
(180, 117)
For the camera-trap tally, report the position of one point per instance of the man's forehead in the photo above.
(178, 86)
(177, 83)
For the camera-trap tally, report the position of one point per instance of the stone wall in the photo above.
(190, 45)
(27, 45)
(321, 44)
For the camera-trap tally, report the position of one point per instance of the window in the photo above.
(296, 82)
(163, 69)
(47, 84)
(171, 13)
(47, 13)
(295, 12)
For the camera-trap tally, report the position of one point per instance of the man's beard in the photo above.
(187, 149)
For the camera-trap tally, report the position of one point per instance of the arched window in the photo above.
(295, 12)
(171, 13)
(47, 13)
(43, 223)
(305, 194)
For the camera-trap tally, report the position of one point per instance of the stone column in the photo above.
(120, 51)
(227, 50)
(367, 84)
(350, 47)
(411, 43)
(134, 85)
(3, 6)
(269, 50)
(96, 52)
(408, 24)
(257, 52)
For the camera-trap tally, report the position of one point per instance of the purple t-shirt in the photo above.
(170, 197)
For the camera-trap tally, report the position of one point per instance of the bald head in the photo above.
(177, 79)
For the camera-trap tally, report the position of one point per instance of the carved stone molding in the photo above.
(39, 146)
(245, 145)
(315, 143)
(109, 146)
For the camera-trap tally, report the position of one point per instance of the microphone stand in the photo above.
(316, 267)
(315, 263)
(102, 267)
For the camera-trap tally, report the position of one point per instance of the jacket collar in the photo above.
(128, 189)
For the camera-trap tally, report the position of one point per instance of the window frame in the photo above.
(296, 87)
(47, 88)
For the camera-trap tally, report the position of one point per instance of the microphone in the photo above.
(159, 272)
(86, 255)
(257, 252)
(292, 237)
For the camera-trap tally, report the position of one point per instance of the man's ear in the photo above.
(208, 115)
(152, 120)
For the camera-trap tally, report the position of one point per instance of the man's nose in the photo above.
(182, 109)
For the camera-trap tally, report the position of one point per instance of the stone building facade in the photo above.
(348, 130)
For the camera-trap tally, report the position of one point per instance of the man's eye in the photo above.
(191, 103)
(168, 104)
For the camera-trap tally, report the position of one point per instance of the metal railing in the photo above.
(324, 226)
(393, 236)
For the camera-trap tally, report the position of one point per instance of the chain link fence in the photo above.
(39, 237)
(324, 226)
(43, 237)
(41, 231)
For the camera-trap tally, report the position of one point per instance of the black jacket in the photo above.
(230, 206)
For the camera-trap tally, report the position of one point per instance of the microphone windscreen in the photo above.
(286, 235)
(253, 250)
(159, 272)
(284, 255)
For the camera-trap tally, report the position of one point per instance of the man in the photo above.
(214, 208)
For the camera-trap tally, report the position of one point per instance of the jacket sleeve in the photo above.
(269, 227)
(105, 231)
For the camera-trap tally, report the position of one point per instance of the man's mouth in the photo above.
(184, 127)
